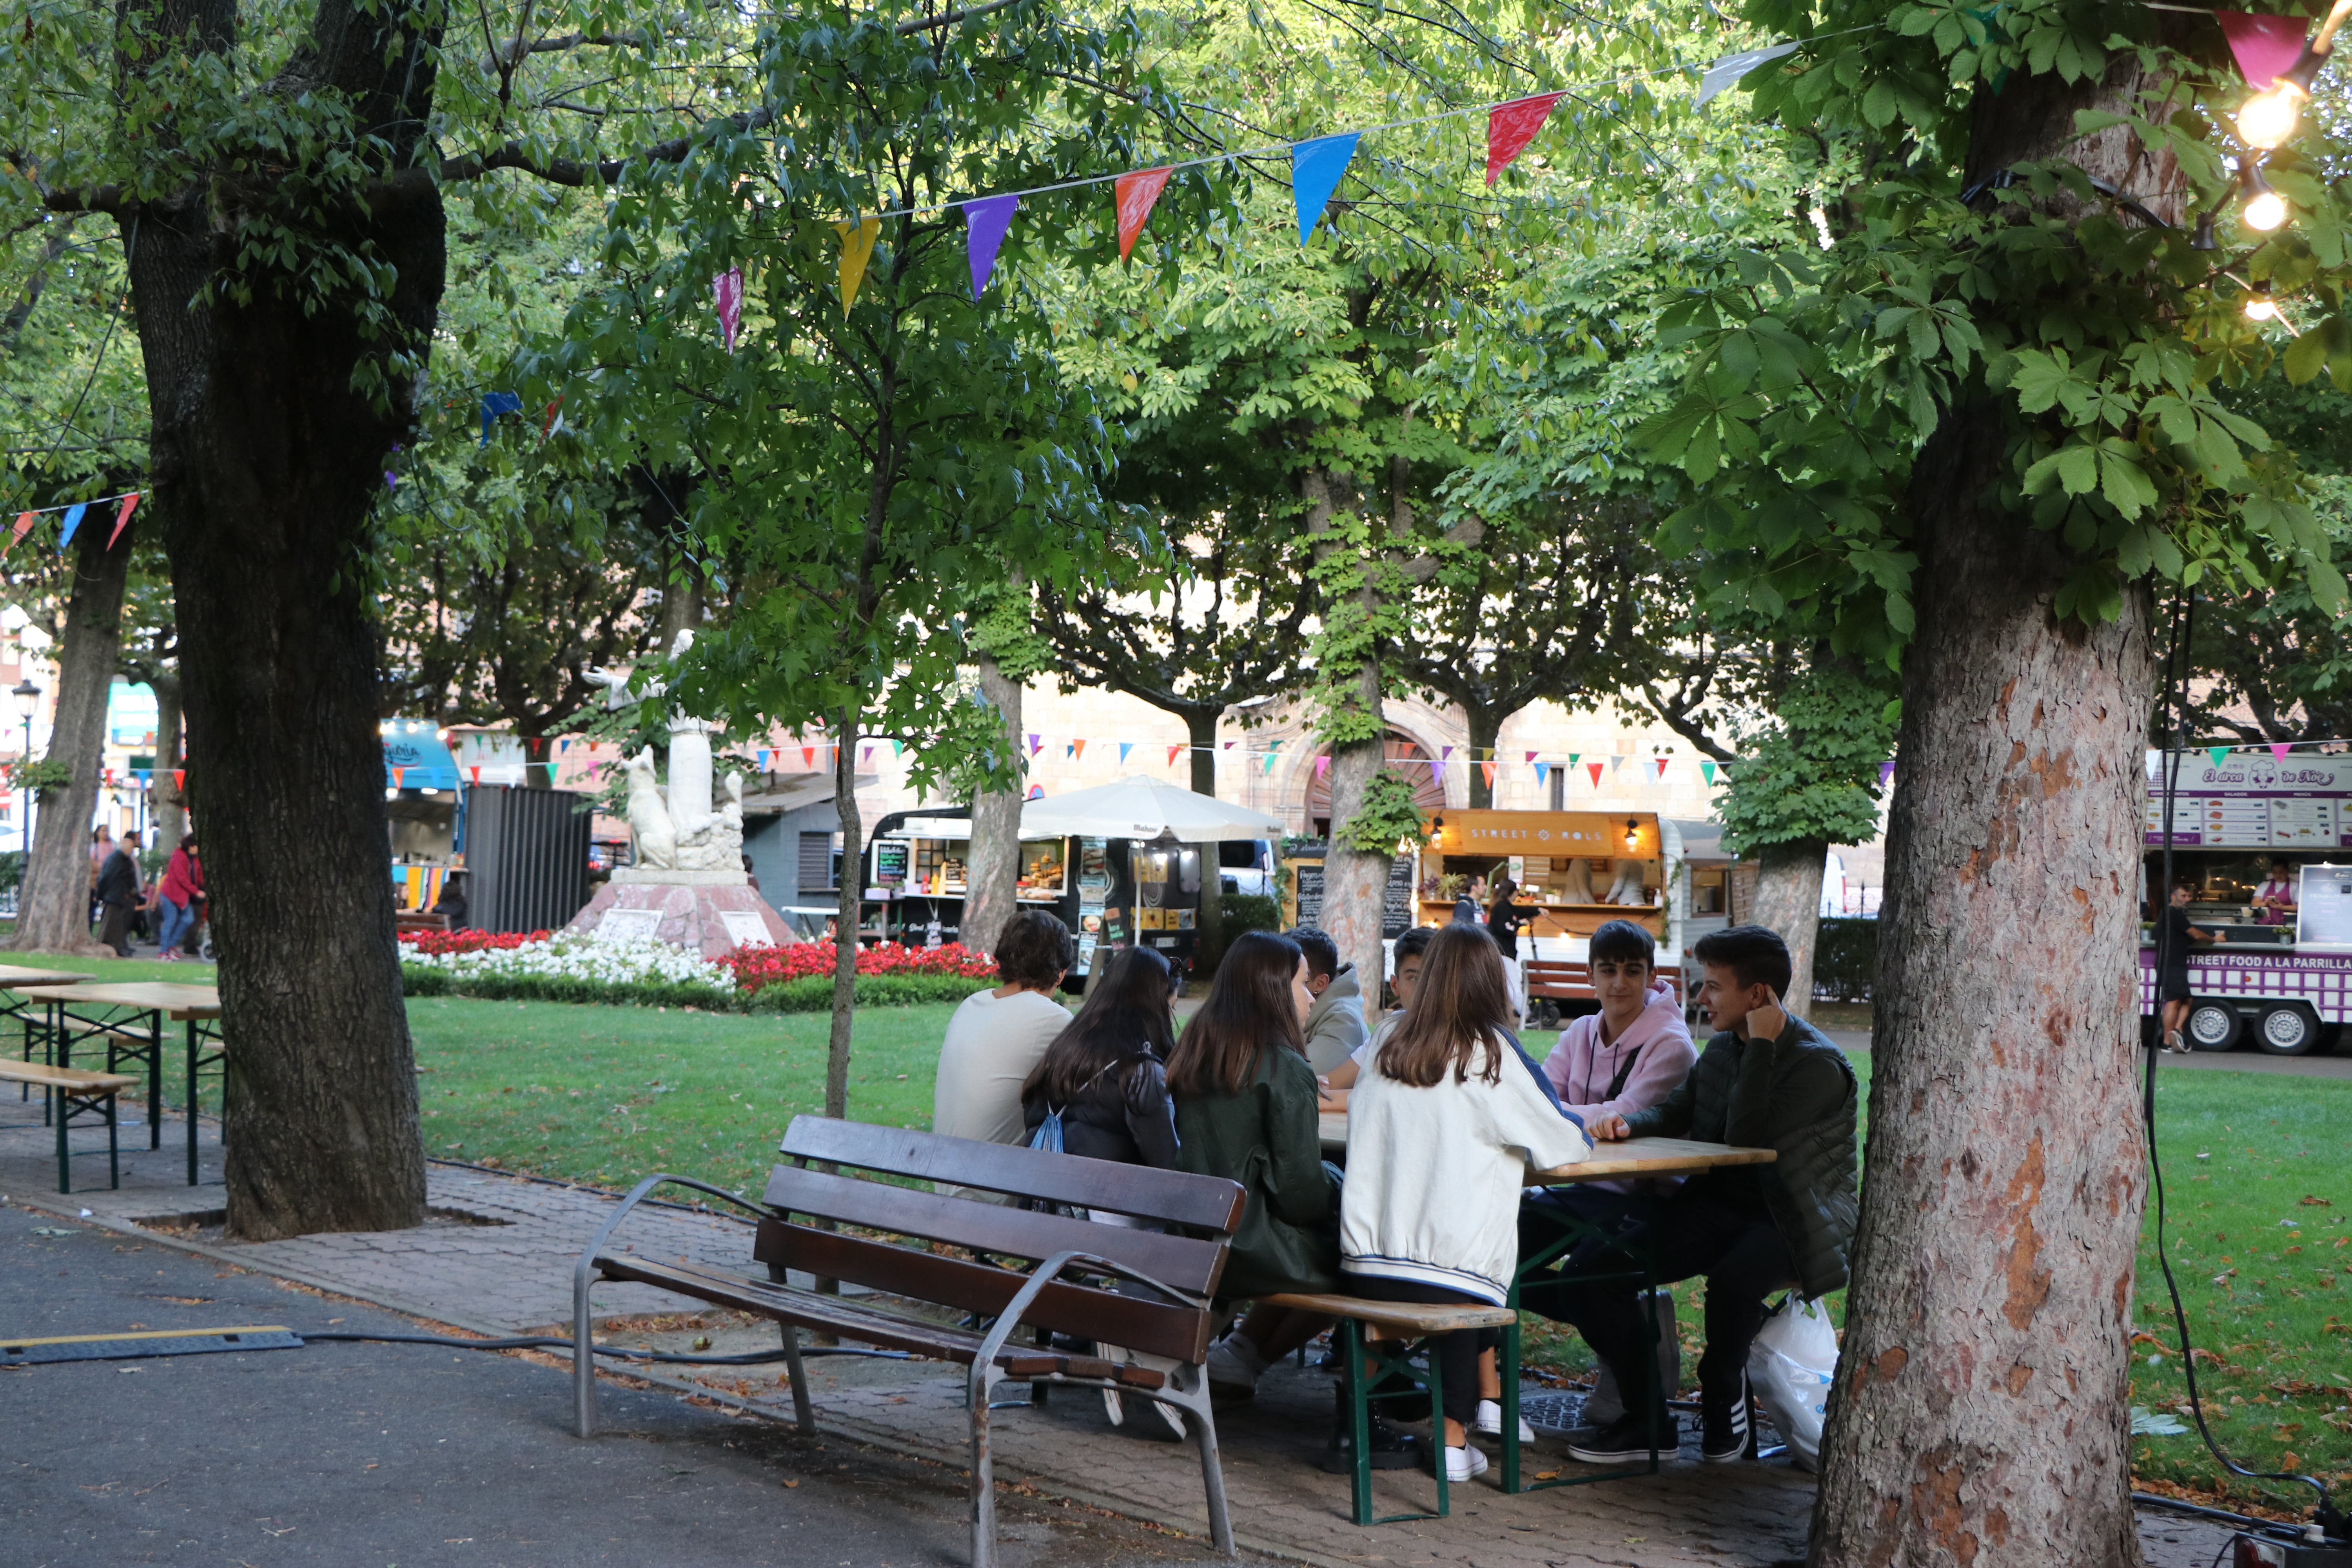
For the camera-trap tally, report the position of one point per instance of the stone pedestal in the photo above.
(709, 912)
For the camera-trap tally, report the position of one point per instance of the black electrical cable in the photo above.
(559, 1341)
(2175, 675)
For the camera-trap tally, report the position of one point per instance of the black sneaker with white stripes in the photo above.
(1723, 1427)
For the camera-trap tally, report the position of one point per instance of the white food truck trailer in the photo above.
(2284, 988)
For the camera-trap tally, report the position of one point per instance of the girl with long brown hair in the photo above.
(1443, 1129)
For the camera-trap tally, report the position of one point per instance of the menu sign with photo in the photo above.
(2251, 800)
(2324, 912)
(1397, 915)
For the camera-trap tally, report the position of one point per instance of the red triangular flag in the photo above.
(478, 775)
(808, 757)
(25, 521)
(398, 774)
(179, 778)
(1511, 126)
(1662, 767)
(2264, 45)
(1594, 768)
(1172, 754)
(122, 518)
(1488, 769)
(1134, 195)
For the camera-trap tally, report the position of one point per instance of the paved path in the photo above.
(498, 1255)
(357, 1455)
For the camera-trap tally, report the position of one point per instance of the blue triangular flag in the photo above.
(73, 520)
(1315, 170)
(1543, 769)
(985, 222)
(495, 403)
(1125, 747)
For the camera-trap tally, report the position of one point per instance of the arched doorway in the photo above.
(1405, 755)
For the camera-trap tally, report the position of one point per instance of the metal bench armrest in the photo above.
(583, 1359)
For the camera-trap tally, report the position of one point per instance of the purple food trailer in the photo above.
(2266, 844)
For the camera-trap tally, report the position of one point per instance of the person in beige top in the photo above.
(995, 1038)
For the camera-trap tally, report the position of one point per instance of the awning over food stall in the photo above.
(415, 756)
(1144, 808)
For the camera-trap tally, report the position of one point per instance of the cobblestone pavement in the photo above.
(498, 1255)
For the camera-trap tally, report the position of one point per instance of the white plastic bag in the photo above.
(1790, 1367)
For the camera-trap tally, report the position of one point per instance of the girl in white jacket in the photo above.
(1442, 1128)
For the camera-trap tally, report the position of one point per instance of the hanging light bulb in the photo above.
(2260, 306)
(2268, 118)
(2266, 209)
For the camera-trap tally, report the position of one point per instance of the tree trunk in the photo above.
(267, 454)
(165, 808)
(993, 873)
(1355, 882)
(1980, 1410)
(1485, 728)
(852, 890)
(1201, 726)
(1789, 901)
(53, 910)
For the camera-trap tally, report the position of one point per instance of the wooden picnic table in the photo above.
(12, 978)
(198, 1006)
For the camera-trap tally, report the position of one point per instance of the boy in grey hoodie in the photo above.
(1335, 1027)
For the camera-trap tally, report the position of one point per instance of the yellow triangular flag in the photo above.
(857, 249)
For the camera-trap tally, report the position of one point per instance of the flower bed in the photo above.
(644, 971)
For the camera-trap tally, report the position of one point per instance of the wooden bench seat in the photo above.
(75, 1093)
(1143, 1295)
(1402, 1317)
(1551, 981)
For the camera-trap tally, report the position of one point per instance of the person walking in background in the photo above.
(2173, 936)
(1444, 1125)
(1104, 1076)
(1504, 919)
(995, 1038)
(182, 888)
(1335, 1025)
(101, 845)
(118, 893)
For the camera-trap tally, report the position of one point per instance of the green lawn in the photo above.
(187, 972)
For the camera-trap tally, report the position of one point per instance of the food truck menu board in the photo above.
(1398, 914)
(2323, 911)
(2253, 800)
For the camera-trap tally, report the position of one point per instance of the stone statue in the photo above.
(675, 826)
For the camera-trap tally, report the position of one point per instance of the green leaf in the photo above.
(2122, 480)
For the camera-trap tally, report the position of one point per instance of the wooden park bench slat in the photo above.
(75, 1092)
(42, 1075)
(1404, 1317)
(1141, 1290)
(1189, 1265)
(1138, 1190)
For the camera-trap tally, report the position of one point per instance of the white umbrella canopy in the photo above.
(1144, 808)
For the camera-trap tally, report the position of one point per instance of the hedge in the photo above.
(1845, 956)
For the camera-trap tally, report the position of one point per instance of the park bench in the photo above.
(1365, 1364)
(74, 1094)
(1146, 1290)
(418, 920)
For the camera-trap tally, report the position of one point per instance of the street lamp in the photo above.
(28, 701)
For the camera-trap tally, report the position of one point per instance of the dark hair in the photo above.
(1504, 889)
(1623, 942)
(1755, 955)
(1248, 1007)
(1321, 953)
(1035, 950)
(1125, 1012)
(1461, 1008)
(1414, 943)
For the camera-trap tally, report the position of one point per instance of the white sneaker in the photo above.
(1232, 1362)
(1489, 1422)
(1464, 1463)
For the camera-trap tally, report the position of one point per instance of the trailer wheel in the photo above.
(2212, 1025)
(2289, 1029)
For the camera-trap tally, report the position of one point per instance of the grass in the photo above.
(115, 971)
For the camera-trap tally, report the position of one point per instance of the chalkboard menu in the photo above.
(1397, 913)
(1310, 879)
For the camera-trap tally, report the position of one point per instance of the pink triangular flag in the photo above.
(1511, 126)
(1532, 756)
(1229, 745)
(2279, 749)
(2264, 45)
(1134, 195)
(122, 518)
(1322, 767)
(727, 289)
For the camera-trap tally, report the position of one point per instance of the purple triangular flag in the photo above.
(984, 223)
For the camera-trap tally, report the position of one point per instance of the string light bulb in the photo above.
(2266, 209)
(2260, 306)
(2269, 118)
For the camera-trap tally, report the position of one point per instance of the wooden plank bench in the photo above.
(75, 1093)
(1146, 1290)
(1392, 1320)
(1557, 980)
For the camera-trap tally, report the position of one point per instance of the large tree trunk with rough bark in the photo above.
(266, 453)
(1980, 1410)
(1486, 729)
(1981, 1407)
(1789, 901)
(993, 875)
(1355, 882)
(53, 910)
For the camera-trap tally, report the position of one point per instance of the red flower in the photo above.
(756, 967)
(436, 943)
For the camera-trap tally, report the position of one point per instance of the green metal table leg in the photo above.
(192, 1100)
(1437, 1420)
(1360, 1419)
(1508, 1356)
(65, 1170)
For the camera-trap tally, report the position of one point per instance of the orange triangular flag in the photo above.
(808, 756)
(1488, 769)
(398, 774)
(857, 249)
(25, 521)
(1078, 748)
(122, 518)
(1134, 193)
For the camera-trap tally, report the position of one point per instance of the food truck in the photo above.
(1579, 869)
(2284, 987)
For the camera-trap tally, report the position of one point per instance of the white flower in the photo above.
(610, 960)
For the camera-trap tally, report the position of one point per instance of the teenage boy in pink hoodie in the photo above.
(1626, 1057)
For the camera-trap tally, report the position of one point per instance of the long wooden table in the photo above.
(1631, 1157)
(106, 1011)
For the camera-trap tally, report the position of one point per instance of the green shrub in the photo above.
(813, 993)
(1845, 956)
(1250, 911)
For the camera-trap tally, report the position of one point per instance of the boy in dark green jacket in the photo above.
(1765, 1081)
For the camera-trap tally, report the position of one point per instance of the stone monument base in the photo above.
(693, 910)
